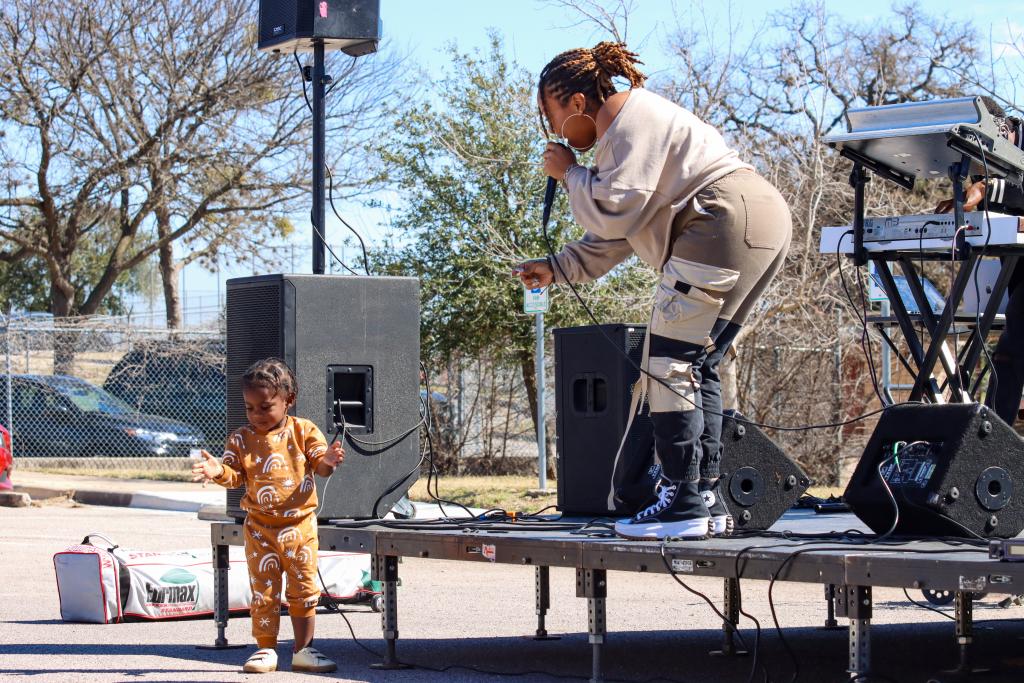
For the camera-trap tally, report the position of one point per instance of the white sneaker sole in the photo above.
(722, 525)
(688, 530)
(311, 668)
(259, 667)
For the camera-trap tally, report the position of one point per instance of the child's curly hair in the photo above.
(271, 373)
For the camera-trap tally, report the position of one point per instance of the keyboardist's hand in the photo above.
(975, 195)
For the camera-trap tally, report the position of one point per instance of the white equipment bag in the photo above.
(106, 585)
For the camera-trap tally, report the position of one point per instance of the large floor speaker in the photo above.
(593, 383)
(954, 470)
(353, 339)
(760, 481)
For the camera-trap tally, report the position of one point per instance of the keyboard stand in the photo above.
(925, 355)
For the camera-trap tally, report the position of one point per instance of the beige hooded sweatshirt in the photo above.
(652, 160)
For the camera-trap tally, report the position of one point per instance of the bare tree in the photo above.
(130, 128)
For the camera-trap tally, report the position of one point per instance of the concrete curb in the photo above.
(14, 499)
(145, 500)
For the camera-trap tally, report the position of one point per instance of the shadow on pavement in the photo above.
(901, 652)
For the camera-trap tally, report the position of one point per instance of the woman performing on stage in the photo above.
(666, 187)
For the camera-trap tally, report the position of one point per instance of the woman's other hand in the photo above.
(535, 273)
(557, 160)
(974, 196)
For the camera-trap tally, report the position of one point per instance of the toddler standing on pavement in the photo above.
(275, 457)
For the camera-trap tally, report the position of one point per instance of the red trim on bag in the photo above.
(99, 567)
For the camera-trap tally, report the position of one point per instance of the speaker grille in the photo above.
(253, 332)
(284, 19)
(635, 343)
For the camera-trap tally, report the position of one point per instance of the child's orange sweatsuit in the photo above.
(277, 468)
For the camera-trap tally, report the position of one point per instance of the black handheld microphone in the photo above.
(549, 199)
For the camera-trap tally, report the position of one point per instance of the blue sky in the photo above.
(534, 31)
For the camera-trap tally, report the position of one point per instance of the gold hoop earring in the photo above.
(584, 139)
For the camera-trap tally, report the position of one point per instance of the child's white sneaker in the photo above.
(310, 659)
(261, 662)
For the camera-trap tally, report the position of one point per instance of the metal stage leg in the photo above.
(592, 584)
(855, 603)
(731, 610)
(385, 569)
(964, 637)
(543, 592)
(221, 612)
(830, 604)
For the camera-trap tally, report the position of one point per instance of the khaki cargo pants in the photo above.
(729, 243)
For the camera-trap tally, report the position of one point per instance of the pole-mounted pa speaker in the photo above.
(954, 470)
(352, 26)
(759, 480)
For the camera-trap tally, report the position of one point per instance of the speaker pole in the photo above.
(319, 163)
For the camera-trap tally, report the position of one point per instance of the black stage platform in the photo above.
(849, 567)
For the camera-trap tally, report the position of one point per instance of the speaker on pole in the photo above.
(954, 470)
(352, 26)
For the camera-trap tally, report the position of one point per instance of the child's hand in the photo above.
(335, 455)
(206, 469)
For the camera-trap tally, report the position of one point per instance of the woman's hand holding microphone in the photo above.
(558, 159)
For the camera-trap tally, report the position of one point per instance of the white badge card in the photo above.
(536, 300)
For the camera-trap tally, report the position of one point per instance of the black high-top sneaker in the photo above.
(722, 523)
(679, 512)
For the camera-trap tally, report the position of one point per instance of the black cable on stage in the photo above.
(734, 628)
(333, 606)
(860, 542)
(994, 382)
(927, 607)
(865, 337)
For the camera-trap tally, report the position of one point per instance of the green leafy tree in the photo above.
(466, 163)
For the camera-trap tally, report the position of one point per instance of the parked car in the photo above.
(162, 378)
(63, 416)
(6, 461)
(185, 384)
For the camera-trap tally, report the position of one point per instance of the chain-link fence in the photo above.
(102, 390)
(483, 420)
(102, 393)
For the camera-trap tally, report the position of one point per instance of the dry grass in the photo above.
(153, 475)
(825, 491)
(510, 493)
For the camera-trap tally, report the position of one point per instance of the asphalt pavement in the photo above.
(465, 618)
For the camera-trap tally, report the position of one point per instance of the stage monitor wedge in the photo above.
(954, 469)
(759, 481)
(353, 339)
(352, 26)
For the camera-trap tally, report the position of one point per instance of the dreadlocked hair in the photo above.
(271, 373)
(590, 71)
